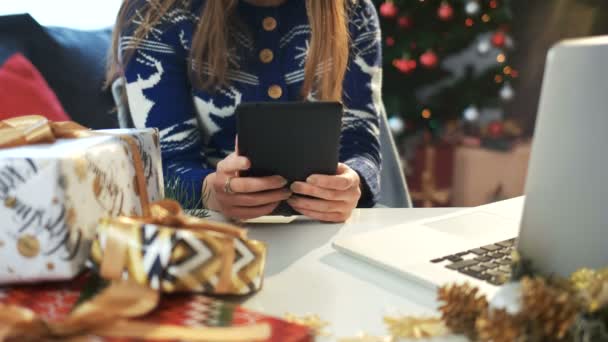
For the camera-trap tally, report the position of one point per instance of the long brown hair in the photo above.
(325, 65)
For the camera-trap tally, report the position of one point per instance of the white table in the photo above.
(306, 275)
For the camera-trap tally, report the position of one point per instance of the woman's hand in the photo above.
(335, 196)
(242, 197)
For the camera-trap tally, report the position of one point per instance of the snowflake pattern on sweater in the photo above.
(198, 128)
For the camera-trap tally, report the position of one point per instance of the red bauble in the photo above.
(445, 11)
(495, 129)
(405, 22)
(404, 65)
(388, 10)
(429, 59)
(499, 39)
(390, 41)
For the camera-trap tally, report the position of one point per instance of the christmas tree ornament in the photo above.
(388, 9)
(506, 92)
(390, 41)
(405, 22)
(405, 65)
(445, 11)
(499, 39)
(471, 113)
(512, 128)
(593, 288)
(472, 7)
(396, 124)
(462, 304)
(499, 326)
(495, 129)
(483, 46)
(552, 309)
(429, 59)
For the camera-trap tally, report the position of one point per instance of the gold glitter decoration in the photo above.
(28, 246)
(10, 202)
(592, 287)
(415, 327)
(50, 266)
(1, 243)
(313, 322)
(80, 169)
(97, 186)
(70, 217)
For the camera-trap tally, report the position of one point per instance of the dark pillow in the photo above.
(72, 62)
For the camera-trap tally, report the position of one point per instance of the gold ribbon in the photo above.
(120, 242)
(112, 314)
(36, 129)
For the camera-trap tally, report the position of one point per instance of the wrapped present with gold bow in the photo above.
(56, 181)
(172, 252)
(124, 312)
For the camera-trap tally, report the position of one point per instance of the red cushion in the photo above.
(23, 91)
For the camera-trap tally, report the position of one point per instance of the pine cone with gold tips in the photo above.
(500, 326)
(461, 306)
(552, 309)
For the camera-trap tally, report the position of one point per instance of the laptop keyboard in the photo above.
(490, 263)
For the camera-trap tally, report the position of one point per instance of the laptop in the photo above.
(562, 223)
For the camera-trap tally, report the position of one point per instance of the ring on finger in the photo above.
(227, 188)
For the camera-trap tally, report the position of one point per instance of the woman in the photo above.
(190, 63)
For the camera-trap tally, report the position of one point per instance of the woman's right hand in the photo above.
(242, 197)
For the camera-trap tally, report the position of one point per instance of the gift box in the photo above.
(172, 252)
(53, 195)
(54, 302)
(482, 176)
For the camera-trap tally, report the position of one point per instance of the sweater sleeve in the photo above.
(159, 95)
(360, 142)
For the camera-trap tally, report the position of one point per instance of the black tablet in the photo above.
(289, 139)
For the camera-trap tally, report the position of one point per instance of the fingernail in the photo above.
(285, 181)
(293, 187)
(311, 180)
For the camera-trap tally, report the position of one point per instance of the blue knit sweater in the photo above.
(198, 128)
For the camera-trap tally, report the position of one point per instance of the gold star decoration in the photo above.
(415, 327)
(313, 322)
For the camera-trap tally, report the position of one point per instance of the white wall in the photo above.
(81, 14)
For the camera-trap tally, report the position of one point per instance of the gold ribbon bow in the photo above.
(112, 314)
(122, 252)
(36, 129)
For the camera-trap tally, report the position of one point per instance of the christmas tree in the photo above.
(447, 67)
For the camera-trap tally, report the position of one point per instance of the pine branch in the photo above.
(182, 192)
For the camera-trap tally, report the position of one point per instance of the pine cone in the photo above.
(553, 310)
(462, 306)
(500, 326)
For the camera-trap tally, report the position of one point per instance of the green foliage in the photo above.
(180, 191)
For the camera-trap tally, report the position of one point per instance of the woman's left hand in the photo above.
(335, 196)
